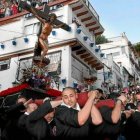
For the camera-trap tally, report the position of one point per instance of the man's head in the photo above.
(21, 99)
(138, 105)
(31, 107)
(137, 96)
(100, 94)
(69, 96)
(52, 17)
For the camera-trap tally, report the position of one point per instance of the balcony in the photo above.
(116, 67)
(91, 9)
(86, 49)
(78, 34)
(88, 16)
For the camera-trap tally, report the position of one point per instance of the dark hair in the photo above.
(138, 92)
(21, 96)
(52, 15)
(138, 103)
(51, 110)
(69, 88)
(130, 106)
(100, 90)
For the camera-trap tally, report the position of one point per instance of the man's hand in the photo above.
(93, 94)
(28, 102)
(122, 98)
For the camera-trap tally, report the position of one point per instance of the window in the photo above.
(123, 49)
(113, 54)
(79, 70)
(77, 73)
(32, 28)
(24, 63)
(54, 68)
(28, 29)
(4, 65)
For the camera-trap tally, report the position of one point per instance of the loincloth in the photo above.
(45, 42)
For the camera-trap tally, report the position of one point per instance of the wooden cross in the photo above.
(43, 14)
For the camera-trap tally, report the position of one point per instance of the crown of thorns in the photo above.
(52, 15)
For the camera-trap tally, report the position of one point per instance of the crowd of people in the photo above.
(66, 117)
(10, 7)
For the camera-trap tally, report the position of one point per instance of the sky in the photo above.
(118, 16)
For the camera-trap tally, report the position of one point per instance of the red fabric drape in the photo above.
(9, 91)
(82, 97)
(13, 90)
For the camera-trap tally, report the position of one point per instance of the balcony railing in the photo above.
(80, 35)
(117, 68)
(91, 8)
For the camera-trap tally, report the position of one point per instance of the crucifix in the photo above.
(49, 21)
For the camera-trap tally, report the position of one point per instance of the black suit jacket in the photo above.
(67, 125)
(36, 125)
(11, 130)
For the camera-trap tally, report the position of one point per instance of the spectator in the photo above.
(2, 12)
(101, 95)
(138, 106)
(33, 3)
(14, 8)
(44, 2)
(8, 11)
(137, 96)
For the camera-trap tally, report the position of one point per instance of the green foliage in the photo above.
(137, 47)
(101, 39)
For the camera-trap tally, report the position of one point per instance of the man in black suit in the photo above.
(11, 130)
(113, 119)
(73, 122)
(34, 122)
(132, 127)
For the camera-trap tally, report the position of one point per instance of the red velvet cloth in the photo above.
(82, 97)
(53, 92)
(108, 102)
(38, 101)
(13, 90)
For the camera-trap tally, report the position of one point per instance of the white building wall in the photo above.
(100, 79)
(11, 30)
(21, 45)
(24, 27)
(114, 48)
(66, 66)
(121, 54)
(8, 76)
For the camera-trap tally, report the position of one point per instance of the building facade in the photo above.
(73, 54)
(120, 50)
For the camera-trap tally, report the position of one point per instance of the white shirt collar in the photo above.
(77, 107)
(26, 113)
